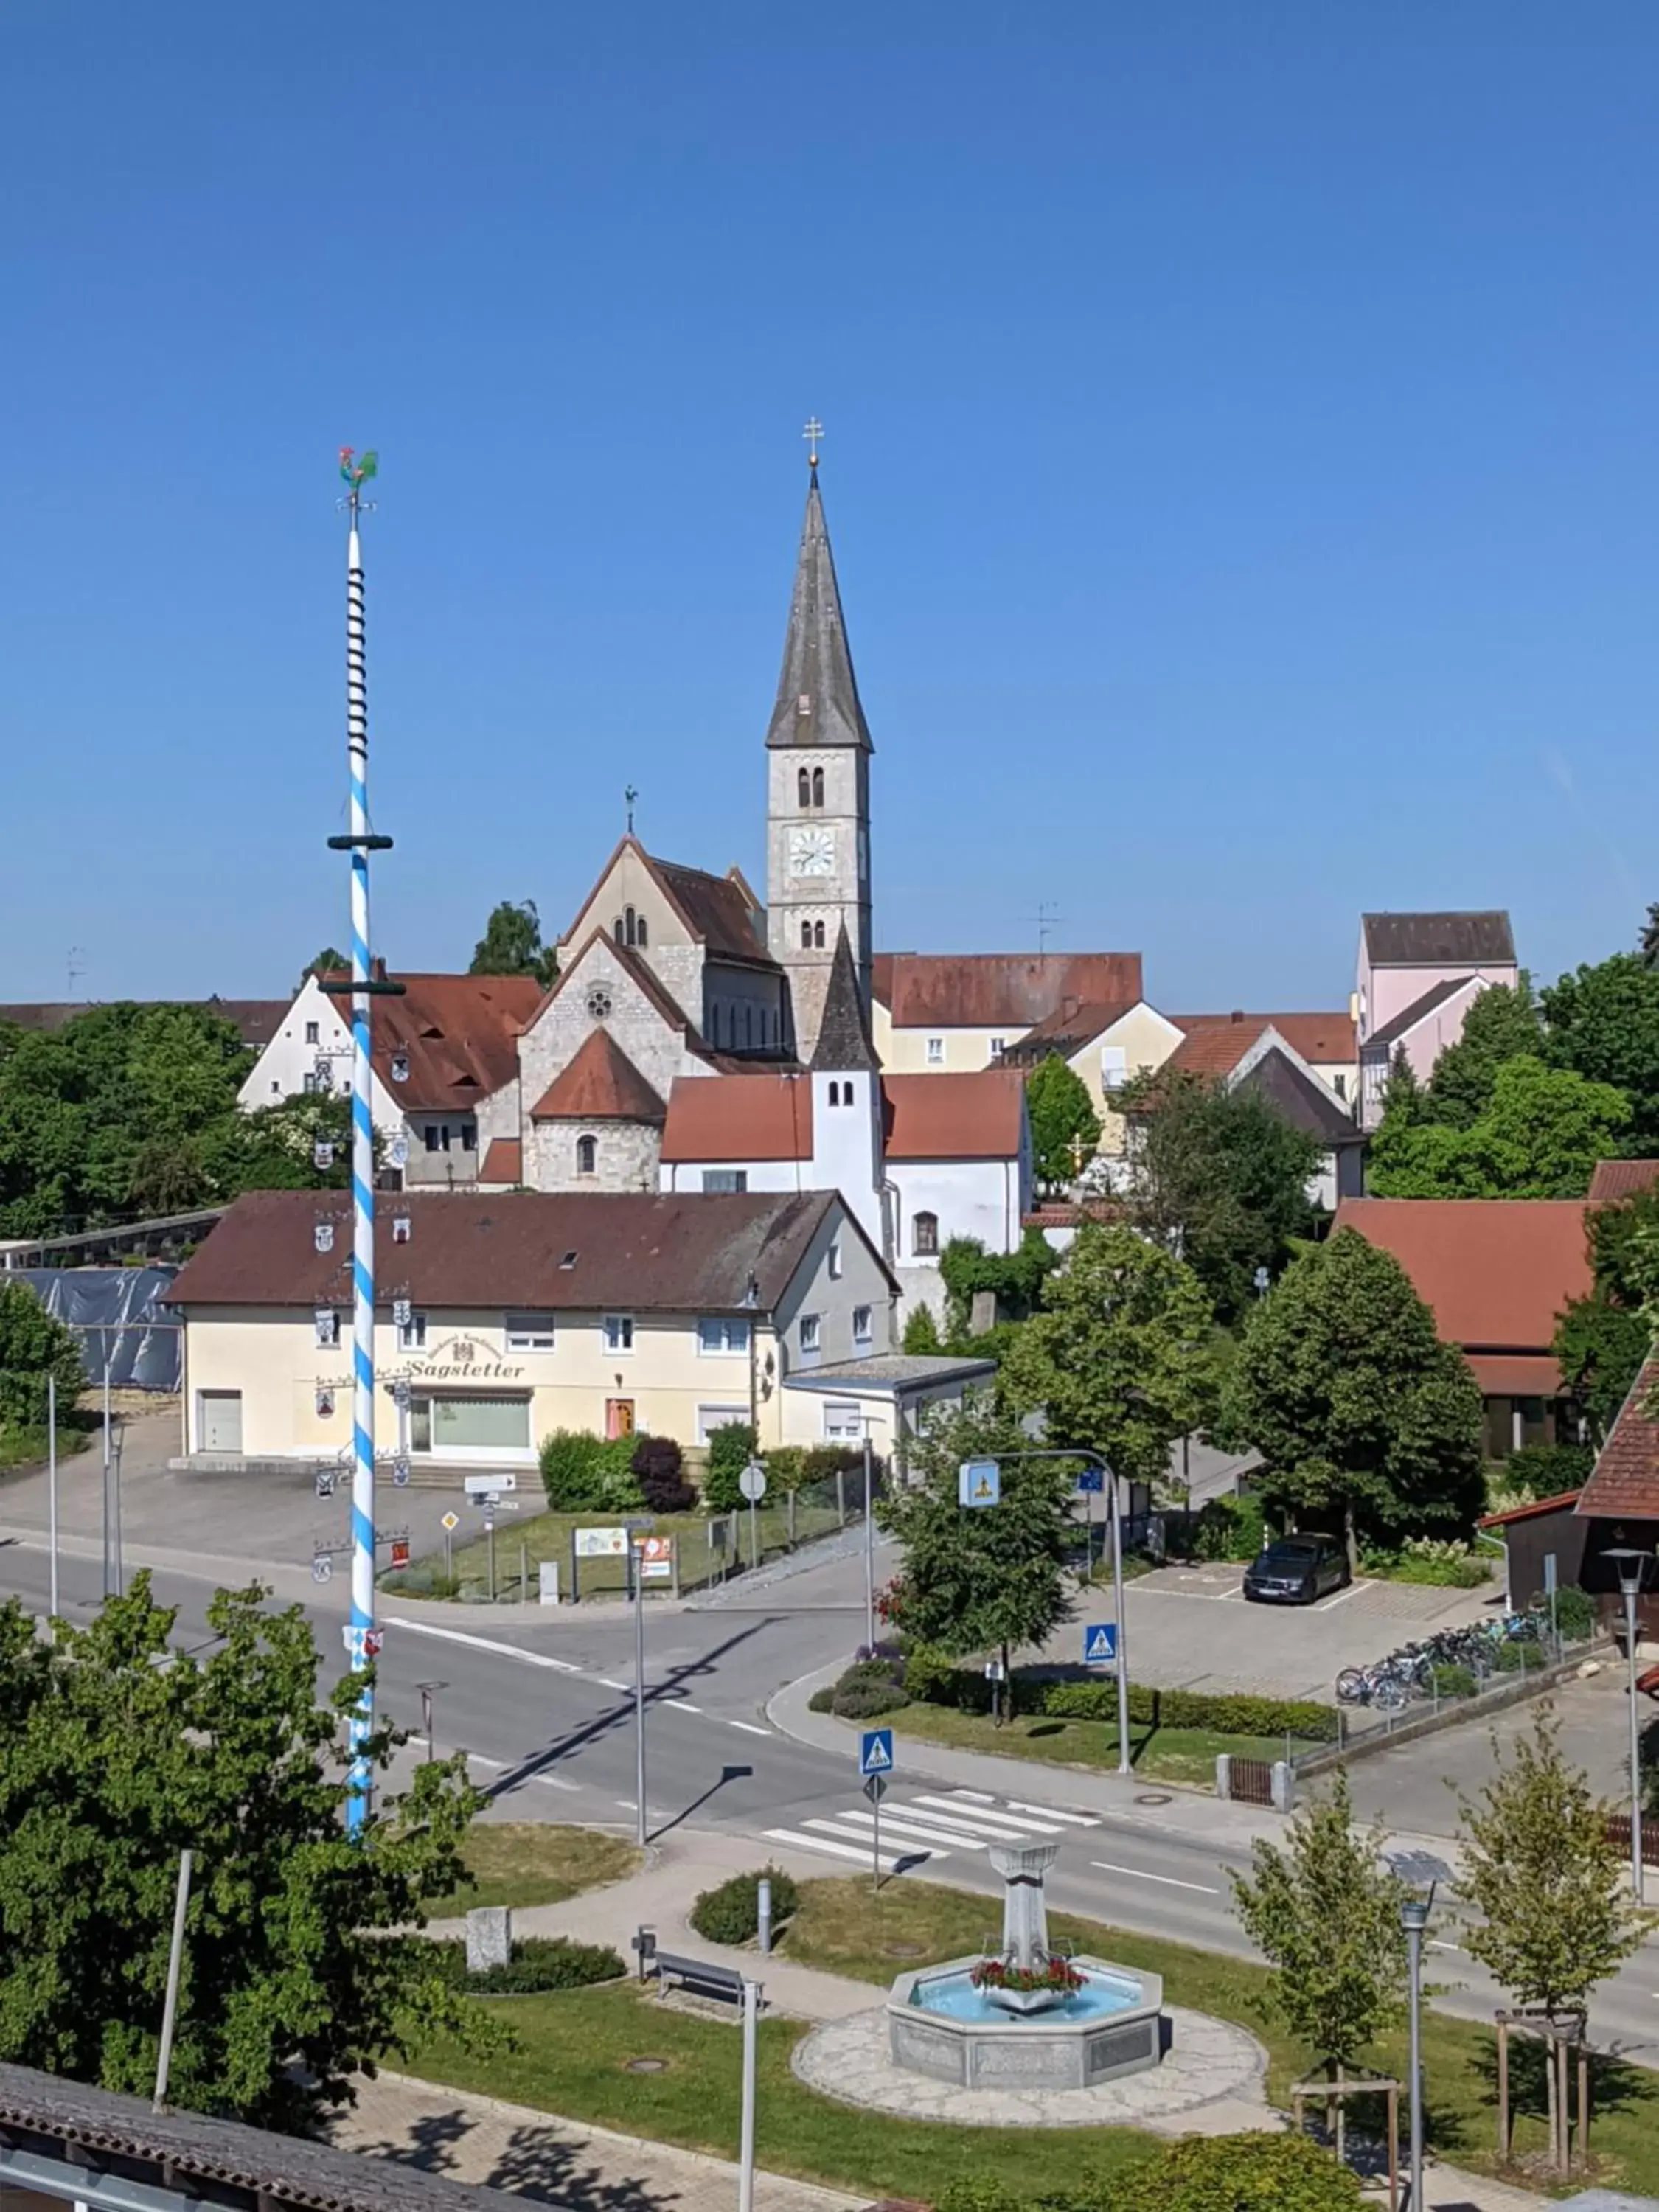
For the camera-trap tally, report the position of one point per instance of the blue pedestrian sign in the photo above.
(1100, 1643)
(979, 1482)
(1093, 1478)
(876, 1751)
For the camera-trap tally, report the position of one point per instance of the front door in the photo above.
(618, 1417)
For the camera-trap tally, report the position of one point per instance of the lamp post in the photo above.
(1630, 1566)
(1414, 1918)
(636, 1563)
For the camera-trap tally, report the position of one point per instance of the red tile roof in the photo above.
(1071, 1026)
(998, 990)
(1530, 1510)
(598, 1084)
(978, 1116)
(1215, 1047)
(1321, 1038)
(1615, 1181)
(1496, 1271)
(1624, 1484)
(738, 1117)
(632, 965)
(503, 1161)
(459, 1035)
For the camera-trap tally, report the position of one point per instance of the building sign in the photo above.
(460, 1359)
(601, 1543)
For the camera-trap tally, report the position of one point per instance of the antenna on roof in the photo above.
(1048, 919)
(74, 966)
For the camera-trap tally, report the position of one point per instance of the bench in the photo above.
(701, 1977)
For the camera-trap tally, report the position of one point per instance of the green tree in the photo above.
(1065, 1126)
(292, 1980)
(1325, 1914)
(1403, 1101)
(985, 1578)
(1502, 1024)
(1221, 1178)
(921, 1332)
(329, 962)
(1361, 1413)
(1014, 1279)
(1603, 1024)
(512, 944)
(1540, 1135)
(274, 1147)
(1118, 1360)
(33, 1345)
(1599, 1348)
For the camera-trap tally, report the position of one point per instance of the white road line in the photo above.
(606, 1683)
(979, 1796)
(547, 1780)
(483, 1644)
(676, 1705)
(1329, 1604)
(629, 1804)
(1015, 1826)
(1168, 1880)
(893, 1823)
(1436, 1945)
(751, 1727)
(1054, 1813)
(835, 1851)
(965, 1824)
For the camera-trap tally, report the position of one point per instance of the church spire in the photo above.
(817, 701)
(843, 1038)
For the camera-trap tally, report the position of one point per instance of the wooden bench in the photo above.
(701, 1977)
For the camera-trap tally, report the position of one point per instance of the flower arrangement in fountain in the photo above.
(1058, 1976)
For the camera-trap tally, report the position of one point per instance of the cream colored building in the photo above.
(952, 1014)
(508, 1317)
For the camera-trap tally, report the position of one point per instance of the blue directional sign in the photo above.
(876, 1751)
(1099, 1642)
(979, 1482)
(1093, 1478)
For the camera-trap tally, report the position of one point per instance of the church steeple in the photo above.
(817, 701)
(843, 1039)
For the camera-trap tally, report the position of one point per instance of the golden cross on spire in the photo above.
(812, 432)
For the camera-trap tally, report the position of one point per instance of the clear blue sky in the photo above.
(1243, 464)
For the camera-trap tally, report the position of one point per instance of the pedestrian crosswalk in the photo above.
(919, 1825)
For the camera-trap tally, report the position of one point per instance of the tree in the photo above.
(1403, 1100)
(987, 1577)
(1603, 1024)
(1599, 1348)
(1648, 946)
(1361, 1413)
(1540, 1135)
(1547, 1886)
(1501, 1025)
(921, 1332)
(512, 944)
(329, 962)
(1118, 1360)
(33, 1345)
(274, 1147)
(1065, 1126)
(293, 1979)
(1014, 1279)
(1324, 1913)
(1220, 1177)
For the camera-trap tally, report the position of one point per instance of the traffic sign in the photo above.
(875, 1788)
(1100, 1643)
(979, 1482)
(451, 1521)
(876, 1751)
(752, 1482)
(491, 1485)
(1093, 1478)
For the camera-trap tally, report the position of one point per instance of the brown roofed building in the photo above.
(1621, 1501)
(1004, 993)
(1616, 1181)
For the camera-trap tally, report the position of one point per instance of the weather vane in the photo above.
(354, 473)
(629, 795)
(812, 432)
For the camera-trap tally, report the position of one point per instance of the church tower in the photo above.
(818, 752)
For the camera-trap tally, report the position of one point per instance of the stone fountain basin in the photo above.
(1031, 2050)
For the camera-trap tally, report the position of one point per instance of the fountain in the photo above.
(1026, 2014)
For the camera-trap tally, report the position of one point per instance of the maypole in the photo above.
(361, 1641)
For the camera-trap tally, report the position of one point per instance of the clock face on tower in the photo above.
(811, 852)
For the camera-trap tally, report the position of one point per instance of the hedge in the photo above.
(934, 1679)
(538, 1962)
(730, 1913)
(582, 1473)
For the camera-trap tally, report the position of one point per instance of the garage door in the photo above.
(221, 1424)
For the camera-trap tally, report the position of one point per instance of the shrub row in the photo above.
(939, 1681)
(538, 1962)
(789, 1466)
(730, 1913)
(583, 1473)
(1202, 2173)
(872, 1684)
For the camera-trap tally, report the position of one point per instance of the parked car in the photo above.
(1296, 1571)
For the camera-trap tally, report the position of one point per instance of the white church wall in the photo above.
(967, 1198)
(847, 1146)
(759, 1175)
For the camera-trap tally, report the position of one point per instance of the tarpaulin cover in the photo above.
(117, 1313)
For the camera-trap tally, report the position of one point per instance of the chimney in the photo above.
(1237, 1014)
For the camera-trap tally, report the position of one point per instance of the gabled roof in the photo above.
(719, 910)
(1009, 991)
(817, 701)
(633, 1251)
(1418, 1011)
(733, 1118)
(1321, 1038)
(600, 1083)
(459, 1034)
(1075, 1024)
(1496, 1271)
(1480, 938)
(738, 1117)
(633, 967)
(1615, 1181)
(1305, 1104)
(1216, 1048)
(1624, 1484)
(257, 1020)
(843, 1043)
(971, 1117)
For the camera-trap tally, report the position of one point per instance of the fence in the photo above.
(1618, 1834)
(1252, 1782)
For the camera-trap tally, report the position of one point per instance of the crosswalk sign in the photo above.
(979, 1482)
(876, 1751)
(1099, 1642)
(1091, 1479)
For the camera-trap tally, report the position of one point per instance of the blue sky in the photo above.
(1243, 461)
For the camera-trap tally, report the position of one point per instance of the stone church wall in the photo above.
(655, 1049)
(626, 1159)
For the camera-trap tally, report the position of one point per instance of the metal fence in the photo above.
(1516, 1669)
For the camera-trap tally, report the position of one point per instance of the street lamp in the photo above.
(640, 1527)
(1414, 1918)
(1630, 1565)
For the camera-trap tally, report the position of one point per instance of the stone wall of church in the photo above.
(655, 1049)
(498, 1116)
(626, 1155)
(679, 969)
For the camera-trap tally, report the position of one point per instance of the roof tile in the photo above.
(1624, 1484)
(1496, 1271)
(1007, 991)
(600, 1083)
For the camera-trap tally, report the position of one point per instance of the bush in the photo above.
(730, 1448)
(1237, 2173)
(784, 1465)
(864, 1701)
(31, 1345)
(978, 2193)
(921, 1337)
(938, 1680)
(538, 1962)
(1453, 1681)
(823, 1700)
(572, 1462)
(1575, 1616)
(1545, 1470)
(1518, 1655)
(656, 1464)
(730, 1912)
(1229, 1528)
(1439, 1562)
(426, 1578)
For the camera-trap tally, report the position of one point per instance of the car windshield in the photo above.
(1295, 1553)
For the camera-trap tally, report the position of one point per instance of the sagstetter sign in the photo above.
(460, 1359)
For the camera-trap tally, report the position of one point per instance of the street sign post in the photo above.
(875, 1788)
(752, 1483)
(1100, 1643)
(979, 1482)
(449, 1524)
(876, 1751)
(875, 1764)
(1091, 1479)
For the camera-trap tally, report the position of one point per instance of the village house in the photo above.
(1416, 978)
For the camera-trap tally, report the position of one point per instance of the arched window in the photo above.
(834, 1094)
(806, 937)
(748, 1027)
(641, 939)
(588, 1155)
(817, 937)
(617, 929)
(924, 1236)
(817, 786)
(804, 788)
(628, 917)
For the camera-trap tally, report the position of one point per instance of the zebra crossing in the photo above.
(921, 1825)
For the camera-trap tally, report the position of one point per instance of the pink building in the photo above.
(1417, 977)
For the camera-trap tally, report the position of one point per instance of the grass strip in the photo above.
(524, 1862)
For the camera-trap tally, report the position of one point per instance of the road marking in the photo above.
(606, 1683)
(1330, 1604)
(751, 1727)
(1168, 1880)
(895, 1824)
(839, 1851)
(676, 1706)
(1436, 1945)
(629, 1804)
(483, 1644)
(963, 1825)
(979, 1796)
(1012, 1827)
(1054, 1813)
(547, 1780)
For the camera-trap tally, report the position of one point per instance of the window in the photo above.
(710, 1418)
(817, 786)
(804, 788)
(924, 1236)
(641, 939)
(312, 1035)
(717, 1333)
(411, 1333)
(528, 1332)
(998, 1046)
(936, 1052)
(720, 1181)
(311, 1083)
(834, 1094)
(619, 1332)
(817, 937)
(442, 1426)
(1340, 1084)
(588, 1155)
(617, 931)
(863, 1326)
(812, 1337)
(843, 1421)
(630, 924)
(469, 1137)
(806, 937)
(436, 1134)
(1113, 1066)
(835, 1259)
(598, 1002)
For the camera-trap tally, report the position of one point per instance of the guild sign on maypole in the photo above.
(360, 841)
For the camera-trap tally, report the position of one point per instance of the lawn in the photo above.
(520, 1862)
(1166, 1754)
(28, 1447)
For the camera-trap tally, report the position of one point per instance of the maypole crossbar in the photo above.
(360, 841)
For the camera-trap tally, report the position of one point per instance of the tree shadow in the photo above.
(1615, 2085)
(536, 2161)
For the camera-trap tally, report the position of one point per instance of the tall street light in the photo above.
(637, 1531)
(1630, 1566)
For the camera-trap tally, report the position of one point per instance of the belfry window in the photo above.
(806, 937)
(817, 786)
(804, 788)
(817, 937)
